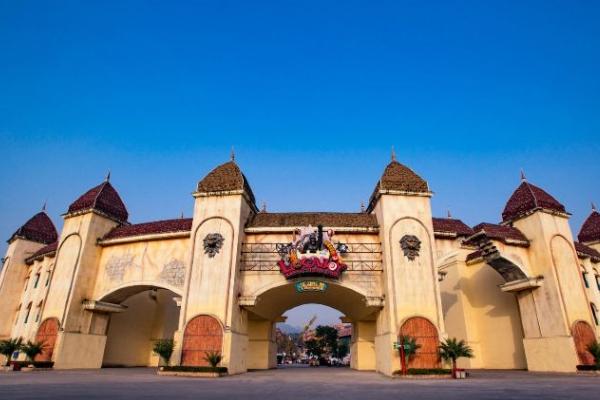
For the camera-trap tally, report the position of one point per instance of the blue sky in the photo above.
(311, 94)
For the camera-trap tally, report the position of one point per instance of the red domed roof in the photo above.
(225, 178)
(590, 230)
(103, 198)
(38, 228)
(529, 198)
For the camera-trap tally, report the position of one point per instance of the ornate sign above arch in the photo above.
(311, 253)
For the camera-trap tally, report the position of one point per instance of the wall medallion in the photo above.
(411, 245)
(173, 273)
(213, 243)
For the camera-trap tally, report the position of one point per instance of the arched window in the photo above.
(36, 280)
(598, 281)
(584, 276)
(26, 283)
(595, 313)
(17, 314)
(27, 313)
(38, 311)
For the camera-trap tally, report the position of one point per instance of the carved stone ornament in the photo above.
(213, 243)
(411, 245)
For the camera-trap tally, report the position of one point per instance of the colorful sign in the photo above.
(311, 253)
(311, 286)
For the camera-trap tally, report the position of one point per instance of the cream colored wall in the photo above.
(132, 333)
(477, 311)
(34, 296)
(12, 282)
(262, 348)
(362, 348)
(156, 262)
(593, 291)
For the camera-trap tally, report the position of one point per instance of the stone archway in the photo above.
(46, 334)
(203, 334)
(426, 335)
(583, 336)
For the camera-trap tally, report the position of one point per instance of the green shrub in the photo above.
(32, 349)
(594, 349)
(183, 368)
(164, 349)
(213, 358)
(8, 347)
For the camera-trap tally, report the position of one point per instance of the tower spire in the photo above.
(393, 154)
(523, 177)
(594, 207)
(107, 179)
(362, 206)
(44, 206)
(232, 155)
(449, 214)
(263, 208)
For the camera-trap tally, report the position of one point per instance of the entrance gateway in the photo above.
(222, 279)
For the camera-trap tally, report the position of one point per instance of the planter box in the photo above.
(423, 377)
(192, 374)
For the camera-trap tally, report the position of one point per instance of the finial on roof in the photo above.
(393, 154)
(46, 202)
(362, 206)
(107, 179)
(449, 214)
(523, 178)
(593, 207)
(263, 207)
(181, 217)
(232, 155)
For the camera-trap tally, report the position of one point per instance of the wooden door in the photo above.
(583, 335)
(47, 333)
(202, 334)
(427, 336)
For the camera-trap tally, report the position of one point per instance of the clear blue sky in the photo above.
(311, 94)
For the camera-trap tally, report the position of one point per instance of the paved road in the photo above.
(291, 384)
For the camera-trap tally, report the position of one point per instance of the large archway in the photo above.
(271, 303)
(149, 313)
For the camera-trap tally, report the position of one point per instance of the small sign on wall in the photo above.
(311, 286)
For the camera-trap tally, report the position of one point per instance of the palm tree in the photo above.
(453, 349)
(410, 346)
(164, 349)
(213, 358)
(32, 349)
(8, 347)
(594, 349)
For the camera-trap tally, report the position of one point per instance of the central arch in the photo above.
(270, 304)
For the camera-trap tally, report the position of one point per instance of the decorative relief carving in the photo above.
(411, 245)
(173, 273)
(117, 266)
(213, 243)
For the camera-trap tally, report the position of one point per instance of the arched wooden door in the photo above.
(202, 334)
(583, 335)
(427, 336)
(47, 333)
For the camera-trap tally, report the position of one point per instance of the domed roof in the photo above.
(398, 177)
(590, 230)
(103, 198)
(38, 228)
(529, 198)
(225, 178)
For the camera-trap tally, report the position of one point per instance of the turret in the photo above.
(223, 203)
(550, 312)
(401, 202)
(33, 235)
(89, 217)
(590, 230)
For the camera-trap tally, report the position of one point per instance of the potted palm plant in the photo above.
(452, 349)
(32, 350)
(213, 358)
(594, 349)
(7, 348)
(164, 349)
